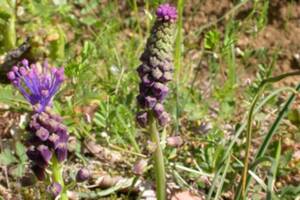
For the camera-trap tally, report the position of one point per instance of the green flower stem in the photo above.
(57, 177)
(10, 33)
(158, 157)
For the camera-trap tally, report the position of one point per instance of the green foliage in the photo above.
(19, 159)
(212, 39)
(7, 25)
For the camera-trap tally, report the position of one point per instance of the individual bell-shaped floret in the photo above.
(54, 189)
(82, 175)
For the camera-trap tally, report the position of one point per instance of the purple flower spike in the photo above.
(156, 69)
(61, 152)
(38, 85)
(55, 189)
(82, 175)
(166, 12)
(42, 134)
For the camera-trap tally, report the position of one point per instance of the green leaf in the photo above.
(211, 40)
(18, 170)
(89, 20)
(7, 158)
(21, 152)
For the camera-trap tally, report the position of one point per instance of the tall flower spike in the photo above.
(37, 84)
(157, 68)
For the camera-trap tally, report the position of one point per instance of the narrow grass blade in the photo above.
(220, 186)
(273, 172)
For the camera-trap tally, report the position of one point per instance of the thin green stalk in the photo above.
(273, 172)
(158, 157)
(136, 13)
(10, 33)
(219, 190)
(178, 57)
(58, 177)
(248, 140)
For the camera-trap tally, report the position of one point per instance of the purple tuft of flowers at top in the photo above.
(166, 12)
(156, 69)
(38, 84)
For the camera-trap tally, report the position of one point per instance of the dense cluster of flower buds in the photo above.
(48, 136)
(157, 68)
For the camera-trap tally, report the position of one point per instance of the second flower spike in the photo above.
(157, 68)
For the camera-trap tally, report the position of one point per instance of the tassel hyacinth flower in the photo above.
(38, 84)
(48, 135)
(155, 72)
(156, 69)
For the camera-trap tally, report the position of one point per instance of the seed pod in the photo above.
(54, 189)
(82, 175)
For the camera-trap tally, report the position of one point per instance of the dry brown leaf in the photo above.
(185, 195)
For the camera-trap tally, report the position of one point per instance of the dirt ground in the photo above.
(280, 34)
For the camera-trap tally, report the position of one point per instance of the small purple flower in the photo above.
(142, 119)
(53, 141)
(143, 70)
(63, 135)
(175, 141)
(150, 101)
(160, 91)
(45, 153)
(42, 134)
(166, 12)
(146, 80)
(163, 119)
(158, 109)
(157, 74)
(61, 152)
(37, 84)
(139, 167)
(36, 156)
(82, 175)
(55, 189)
